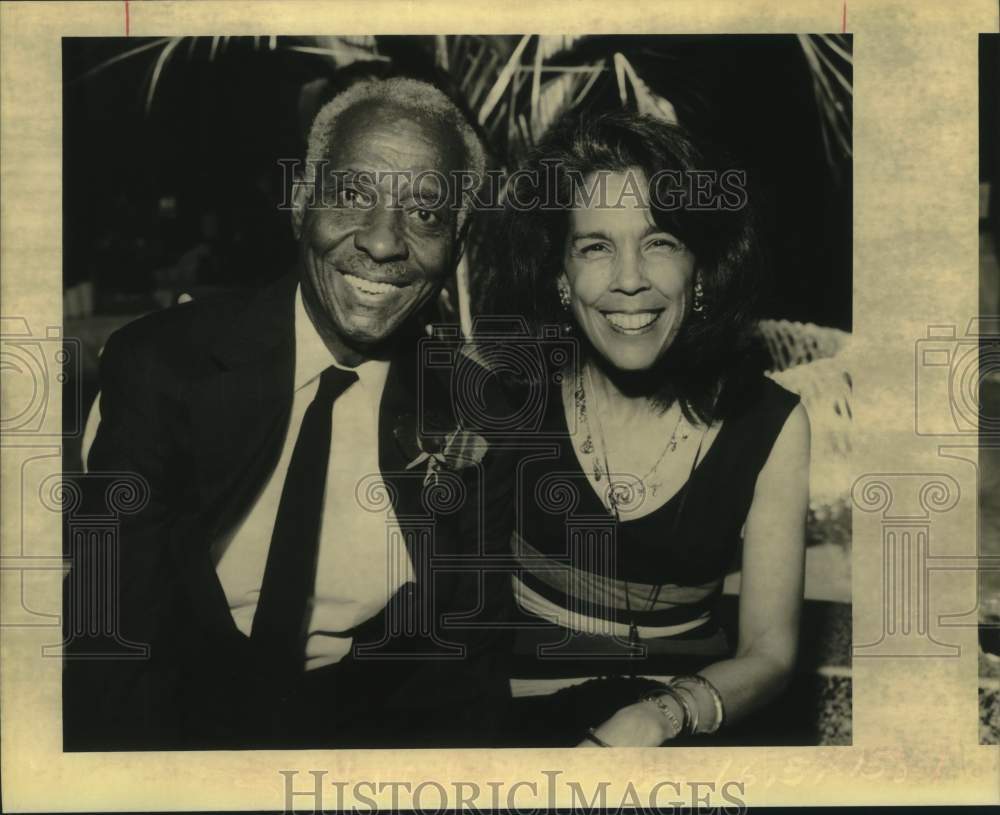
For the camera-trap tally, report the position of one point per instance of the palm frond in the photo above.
(441, 51)
(831, 42)
(161, 62)
(833, 91)
(503, 80)
(552, 101)
(595, 72)
(549, 46)
(833, 70)
(343, 51)
(515, 99)
(132, 52)
(536, 88)
(564, 92)
(646, 101)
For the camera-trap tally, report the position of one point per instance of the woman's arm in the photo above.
(772, 580)
(770, 598)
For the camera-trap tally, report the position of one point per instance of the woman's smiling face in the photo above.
(630, 282)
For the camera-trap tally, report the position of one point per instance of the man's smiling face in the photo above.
(373, 247)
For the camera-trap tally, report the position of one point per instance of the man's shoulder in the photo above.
(194, 321)
(183, 336)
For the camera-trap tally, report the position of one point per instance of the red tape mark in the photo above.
(843, 20)
(126, 18)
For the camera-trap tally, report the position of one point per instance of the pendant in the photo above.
(640, 492)
(633, 633)
(619, 494)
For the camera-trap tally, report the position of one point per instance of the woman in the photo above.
(660, 447)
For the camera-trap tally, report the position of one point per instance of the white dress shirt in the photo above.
(361, 564)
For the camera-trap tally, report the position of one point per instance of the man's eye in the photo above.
(426, 216)
(594, 248)
(353, 198)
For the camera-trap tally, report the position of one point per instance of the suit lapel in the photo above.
(241, 412)
(415, 396)
(397, 413)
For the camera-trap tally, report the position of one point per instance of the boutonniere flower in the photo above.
(439, 450)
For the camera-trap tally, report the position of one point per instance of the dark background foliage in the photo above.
(182, 187)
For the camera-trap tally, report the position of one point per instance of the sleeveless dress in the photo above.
(584, 580)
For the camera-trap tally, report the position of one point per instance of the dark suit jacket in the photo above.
(195, 400)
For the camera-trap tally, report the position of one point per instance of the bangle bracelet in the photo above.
(720, 711)
(657, 699)
(592, 736)
(690, 716)
(691, 704)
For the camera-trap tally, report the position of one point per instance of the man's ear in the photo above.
(302, 193)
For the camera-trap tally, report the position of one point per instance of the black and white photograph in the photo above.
(457, 391)
(456, 406)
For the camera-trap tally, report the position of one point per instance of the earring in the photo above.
(699, 297)
(564, 297)
(564, 300)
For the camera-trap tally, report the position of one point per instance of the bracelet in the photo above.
(720, 711)
(657, 699)
(691, 704)
(592, 736)
(690, 713)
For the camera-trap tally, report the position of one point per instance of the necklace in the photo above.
(621, 493)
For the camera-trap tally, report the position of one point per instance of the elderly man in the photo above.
(319, 517)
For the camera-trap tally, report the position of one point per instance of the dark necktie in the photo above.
(279, 623)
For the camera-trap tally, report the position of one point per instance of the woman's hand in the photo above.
(638, 725)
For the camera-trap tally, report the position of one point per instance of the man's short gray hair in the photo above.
(409, 94)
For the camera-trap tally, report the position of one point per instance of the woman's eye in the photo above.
(666, 243)
(594, 248)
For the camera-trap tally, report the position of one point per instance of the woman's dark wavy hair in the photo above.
(708, 360)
